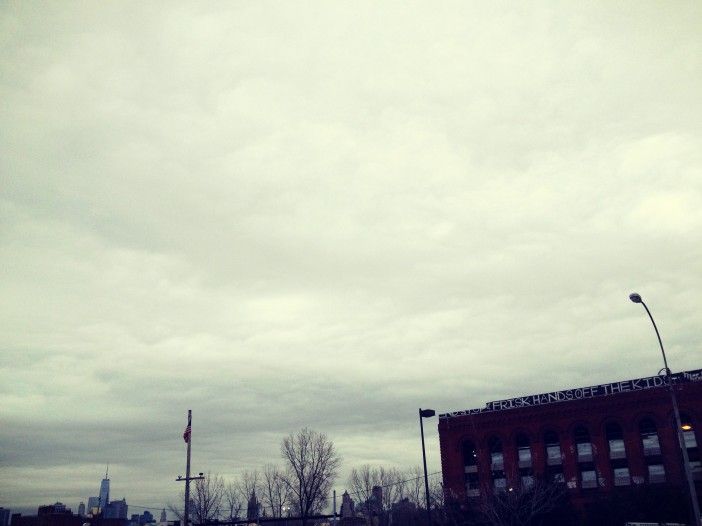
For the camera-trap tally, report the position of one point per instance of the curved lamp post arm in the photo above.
(660, 342)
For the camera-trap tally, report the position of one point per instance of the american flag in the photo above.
(186, 434)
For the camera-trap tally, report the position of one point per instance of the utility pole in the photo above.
(187, 436)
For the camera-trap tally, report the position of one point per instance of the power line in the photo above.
(401, 482)
(146, 507)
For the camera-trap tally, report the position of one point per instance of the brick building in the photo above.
(592, 439)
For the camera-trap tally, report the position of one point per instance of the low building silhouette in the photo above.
(24, 520)
(117, 509)
(372, 509)
(348, 512)
(405, 513)
(56, 514)
(4, 516)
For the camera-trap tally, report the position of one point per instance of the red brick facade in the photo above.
(610, 438)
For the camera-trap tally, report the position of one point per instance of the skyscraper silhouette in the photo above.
(105, 490)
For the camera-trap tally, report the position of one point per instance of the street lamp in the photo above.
(425, 413)
(636, 298)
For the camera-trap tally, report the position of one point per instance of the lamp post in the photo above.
(636, 298)
(425, 413)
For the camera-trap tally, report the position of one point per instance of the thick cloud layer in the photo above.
(328, 215)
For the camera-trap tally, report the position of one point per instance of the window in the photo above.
(553, 455)
(523, 451)
(472, 485)
(652, 451)
(616, 449)
(688, 431)
(525, 457)
(470, 468)
(497, 460)
(470, 457)
(527, 481)
(690, 440)
(583, 448)
(526, 475)
(553, 449)
(656, 474)
(583, 444)
(496, 457)
(497, 464)
(588, 479)
(693, 451)
(696, 468)
(554, 458)
(617, 454)
(621, 477)
(557, 477)
(585, 452)
(649, 437)
(615, 440)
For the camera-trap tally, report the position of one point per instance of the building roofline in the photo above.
(579, 393)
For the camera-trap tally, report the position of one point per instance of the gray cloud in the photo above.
(328, 215)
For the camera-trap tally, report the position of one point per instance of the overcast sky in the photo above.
(328, 214)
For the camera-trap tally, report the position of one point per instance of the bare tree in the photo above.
(414, 486)
(275, 492)
(249, 482)
(175, 510)
(520, 506)
(390, 480)
(205, 500)
(437, 494)
(361, 482)
(233, 501)
(401, 485)
(312, 463)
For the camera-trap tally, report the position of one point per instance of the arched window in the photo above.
(470, 469)
(497, 464)
(554, 457)
(615, 440)
(497, 460)
(526, 474)
(649, 437)
(583, 445)
(652, 451)
(553, 449)
(617, 454)
(523, 451)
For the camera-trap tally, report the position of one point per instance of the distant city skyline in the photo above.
(114, 509)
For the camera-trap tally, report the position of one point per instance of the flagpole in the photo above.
(187, 471)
